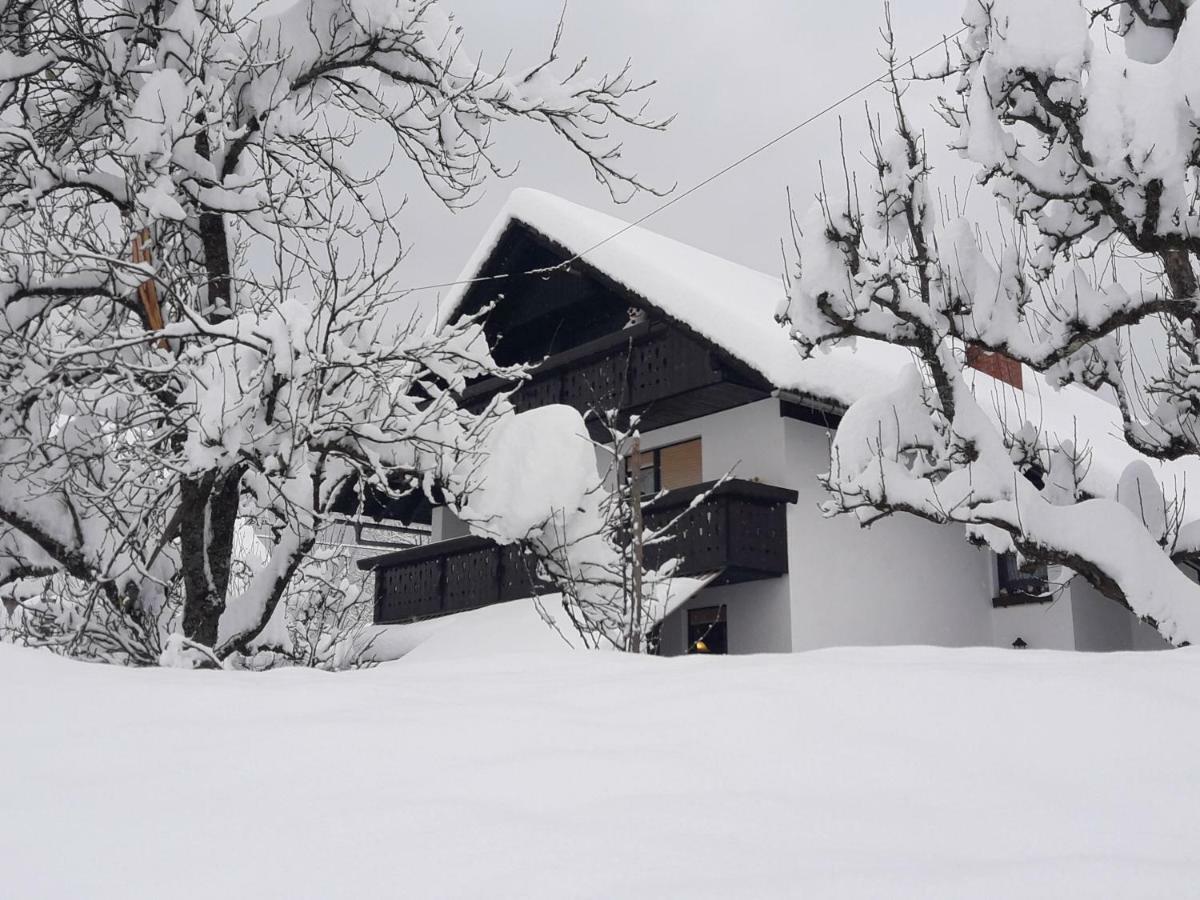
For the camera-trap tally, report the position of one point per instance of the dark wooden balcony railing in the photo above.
(740, 529)
(653, 369)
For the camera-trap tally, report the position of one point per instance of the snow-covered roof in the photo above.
(729, 304)
(734, 307)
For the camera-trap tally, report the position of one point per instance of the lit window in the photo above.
(707, 631)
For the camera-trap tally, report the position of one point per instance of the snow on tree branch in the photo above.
(1090, 145)
(197, 282)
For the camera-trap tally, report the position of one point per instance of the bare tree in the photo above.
(1089, 144)
(199, 304)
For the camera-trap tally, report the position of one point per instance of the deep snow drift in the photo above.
(911, 772)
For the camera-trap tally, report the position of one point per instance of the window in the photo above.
(646, 471)
(667, 468)
(1017, 581)
(707, 631)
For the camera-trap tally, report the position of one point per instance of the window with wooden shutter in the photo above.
(679, 465)
(667, 468)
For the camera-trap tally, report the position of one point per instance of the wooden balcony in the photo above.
(653, 369)
(739, 530)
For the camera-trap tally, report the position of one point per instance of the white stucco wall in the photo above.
(1042, 626)
(445, 525)
(746, 440)
(902, 581)
(1080, 618)
(1103, 624)
(1100, 623)
(757, 616)
(1147, 638)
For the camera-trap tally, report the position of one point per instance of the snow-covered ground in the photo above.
(910, 772)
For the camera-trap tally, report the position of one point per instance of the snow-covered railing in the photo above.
(739, 528)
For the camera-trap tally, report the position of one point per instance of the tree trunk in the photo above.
(215, 242)
(210, 507)
(209, 501)
(635, 503)
(1180, 275)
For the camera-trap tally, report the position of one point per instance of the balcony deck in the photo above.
(740, 530)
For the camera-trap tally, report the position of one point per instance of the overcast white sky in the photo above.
(734, 73)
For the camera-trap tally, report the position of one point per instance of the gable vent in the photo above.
(997, 365)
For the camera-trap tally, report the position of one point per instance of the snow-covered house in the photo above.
(689, 341)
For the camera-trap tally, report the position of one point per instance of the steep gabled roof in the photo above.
(734, 307)
(728, 304)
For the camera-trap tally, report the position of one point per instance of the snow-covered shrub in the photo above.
(326, 616)
(69, 617)
(539, 485)
(573, 503)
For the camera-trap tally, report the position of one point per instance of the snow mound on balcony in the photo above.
(530, 625)
(540, 467)
(519, 626)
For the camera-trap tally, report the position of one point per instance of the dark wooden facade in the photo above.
(739, 530)
(575, 326)
(652, 369)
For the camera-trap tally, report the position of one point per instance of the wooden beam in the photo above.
(148, 289)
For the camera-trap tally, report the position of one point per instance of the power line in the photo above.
(547, 270)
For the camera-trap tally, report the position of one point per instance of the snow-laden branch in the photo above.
(1090, 165)
(199, 325)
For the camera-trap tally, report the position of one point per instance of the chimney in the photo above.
(997, 365)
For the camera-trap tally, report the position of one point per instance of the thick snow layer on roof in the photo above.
(731, 305)
(734, 307)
